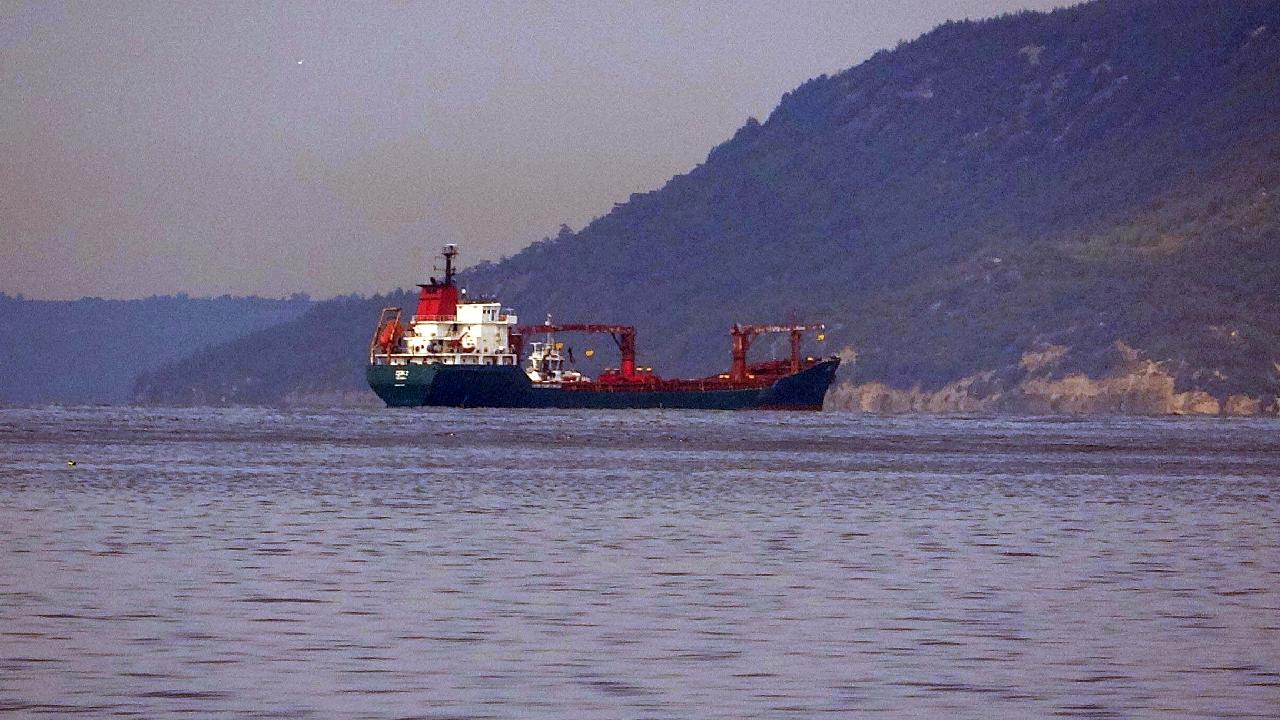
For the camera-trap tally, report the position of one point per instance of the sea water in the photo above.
(647, 564)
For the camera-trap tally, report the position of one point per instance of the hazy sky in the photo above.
(218, 147)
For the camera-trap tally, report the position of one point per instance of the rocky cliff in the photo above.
(1042, 385)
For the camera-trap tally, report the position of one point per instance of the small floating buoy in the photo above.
(71, 463)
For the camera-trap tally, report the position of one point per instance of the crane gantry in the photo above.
(744, 334)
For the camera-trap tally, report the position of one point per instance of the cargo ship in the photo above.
(470, 352)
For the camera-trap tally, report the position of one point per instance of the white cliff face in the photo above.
(1142, 387)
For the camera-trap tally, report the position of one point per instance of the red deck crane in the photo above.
(744, 334)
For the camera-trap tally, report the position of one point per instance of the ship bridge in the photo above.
(446, 328)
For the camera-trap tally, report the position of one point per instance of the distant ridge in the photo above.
(979, 215)
(93, 350)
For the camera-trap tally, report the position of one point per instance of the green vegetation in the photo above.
(1100, 173)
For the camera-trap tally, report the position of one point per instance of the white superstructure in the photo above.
(446, 328)
(480, 334)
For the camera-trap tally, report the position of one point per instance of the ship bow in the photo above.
(804, 390)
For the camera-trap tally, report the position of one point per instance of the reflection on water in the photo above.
(515, 564)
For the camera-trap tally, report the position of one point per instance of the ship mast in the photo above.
(449, 252)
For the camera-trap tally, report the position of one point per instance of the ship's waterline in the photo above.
(496, 386)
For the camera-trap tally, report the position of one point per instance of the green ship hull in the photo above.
(508, 386)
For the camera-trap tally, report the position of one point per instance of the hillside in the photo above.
(92, 350)
(1096, 185)
(320, 354)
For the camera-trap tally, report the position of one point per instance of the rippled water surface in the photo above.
(520, 564)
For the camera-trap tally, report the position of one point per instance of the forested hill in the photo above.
(92, 350)
(1101, 181)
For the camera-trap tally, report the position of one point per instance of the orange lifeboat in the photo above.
(390, 335)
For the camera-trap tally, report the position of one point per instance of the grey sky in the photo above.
(216, 147)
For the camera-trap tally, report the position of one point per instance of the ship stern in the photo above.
(401, 385)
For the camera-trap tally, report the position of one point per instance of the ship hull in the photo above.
(508, 386)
